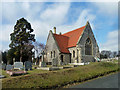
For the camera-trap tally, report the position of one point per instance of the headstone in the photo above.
(18, 65)
(0, 66)
(28, 65)
(54, 62)
(3, 66)
(2, 76)
(75, 61)
(42, 64)
(9, 67)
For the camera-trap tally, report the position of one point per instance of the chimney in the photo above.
(54, 30)
(60, 33)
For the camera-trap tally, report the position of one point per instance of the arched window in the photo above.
(73, 53)
(61, 58)
(54, 53)
(51, 54)
(88, 47)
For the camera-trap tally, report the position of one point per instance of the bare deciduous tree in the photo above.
(39, 47)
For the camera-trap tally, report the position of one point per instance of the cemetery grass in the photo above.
(59, 78)
(115, 61)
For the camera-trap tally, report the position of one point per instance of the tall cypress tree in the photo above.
(22, 39)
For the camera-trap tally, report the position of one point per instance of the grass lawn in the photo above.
(52, 79)
(115, 61)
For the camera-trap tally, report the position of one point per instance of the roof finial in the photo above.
(51, 31)
(87, 23)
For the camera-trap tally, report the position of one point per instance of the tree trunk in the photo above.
(21, 55)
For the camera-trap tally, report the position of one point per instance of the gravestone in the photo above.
(28, 65)
(9, 67)
(18, 65)
(54, 62)
(42, 63)
(2, 76)
(3, 66)
(75, 61)
(0, 66)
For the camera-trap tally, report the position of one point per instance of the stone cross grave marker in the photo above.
(28, 65)
(9, 67)
(42, 63)
(18, 65)
(43, 53)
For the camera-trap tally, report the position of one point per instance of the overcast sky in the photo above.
(65, 16)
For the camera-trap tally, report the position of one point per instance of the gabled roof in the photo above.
(74, 36)
(62, 42)
(68, 39)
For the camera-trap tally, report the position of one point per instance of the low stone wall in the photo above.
(87, 58)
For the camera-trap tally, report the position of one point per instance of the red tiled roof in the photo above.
(62, 42)
(74, 36)
(68, 39)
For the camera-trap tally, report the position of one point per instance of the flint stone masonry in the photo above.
(80, 55)
(51, 47)
(95, 50)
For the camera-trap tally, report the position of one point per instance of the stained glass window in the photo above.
(88, 47)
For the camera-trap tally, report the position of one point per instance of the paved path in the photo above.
(110, 81)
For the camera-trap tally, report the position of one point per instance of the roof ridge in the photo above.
(61, 35)
(73, 30)
(68, 39)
